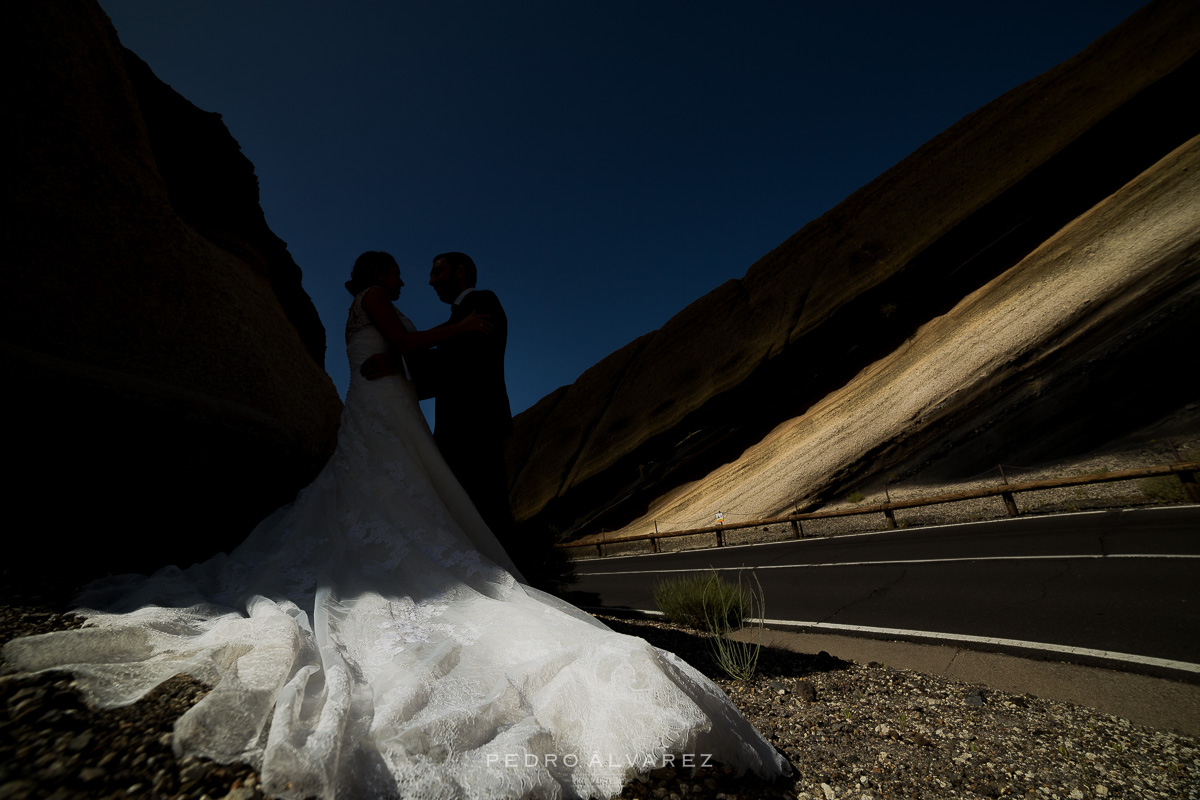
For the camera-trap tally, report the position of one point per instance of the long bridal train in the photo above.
(373, 640)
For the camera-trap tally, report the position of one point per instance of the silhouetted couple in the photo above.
(465, 375)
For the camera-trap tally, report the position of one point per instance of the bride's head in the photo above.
(375, 268)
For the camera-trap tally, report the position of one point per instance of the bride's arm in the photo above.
(383, 315)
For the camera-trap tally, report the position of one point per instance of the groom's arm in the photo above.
(381, 365)
(485, 302)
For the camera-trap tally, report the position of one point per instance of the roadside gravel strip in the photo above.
(850, 730)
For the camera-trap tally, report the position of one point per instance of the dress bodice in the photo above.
(363, 339)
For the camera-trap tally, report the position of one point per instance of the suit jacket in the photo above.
(471, 397)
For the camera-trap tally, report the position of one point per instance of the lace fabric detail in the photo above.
(373, 640)
(357, 320)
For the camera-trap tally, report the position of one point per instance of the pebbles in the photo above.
(53, 746)
(855, 731)
(850, 731)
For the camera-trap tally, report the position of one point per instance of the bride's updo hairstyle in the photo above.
(367, 269)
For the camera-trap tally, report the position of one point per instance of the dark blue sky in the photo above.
(605, 163)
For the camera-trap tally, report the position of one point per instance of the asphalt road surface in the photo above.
(1120, 586)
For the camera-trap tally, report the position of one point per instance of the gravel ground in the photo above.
(849, 730)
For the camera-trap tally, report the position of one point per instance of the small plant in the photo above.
(1162, 490)
(708, 603)
(738, 658)
(855, 497)
(683, 601)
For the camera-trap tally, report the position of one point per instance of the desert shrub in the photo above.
(684, 600)
(855, 497)
(738, 658)
(710, 604)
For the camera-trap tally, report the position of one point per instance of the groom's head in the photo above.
(452, 274)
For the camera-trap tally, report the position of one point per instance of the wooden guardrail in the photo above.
(1186, 471)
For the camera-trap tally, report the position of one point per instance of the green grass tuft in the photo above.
(739, 659)
(710, 604)
(1166, 489)
(683, 600)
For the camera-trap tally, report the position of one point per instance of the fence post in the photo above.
(888, 514)
(796, 529)
(1188, 479)
(720, 537)
(1190, 489)
(1010, 503)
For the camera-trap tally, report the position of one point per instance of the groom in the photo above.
(472, 414)
(466, 376)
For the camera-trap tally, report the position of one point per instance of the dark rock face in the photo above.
(213, 188)
(166, 387)
(852, 287)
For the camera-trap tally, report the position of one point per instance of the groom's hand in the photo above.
(379, 365)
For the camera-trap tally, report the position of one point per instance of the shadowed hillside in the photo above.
(1038, 260)
(165, 368)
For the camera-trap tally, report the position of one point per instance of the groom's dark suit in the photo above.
(472, 413)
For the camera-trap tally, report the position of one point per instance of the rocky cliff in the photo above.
(1020, 284)
(165, 368)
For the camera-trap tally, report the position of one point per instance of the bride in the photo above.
(373, 639)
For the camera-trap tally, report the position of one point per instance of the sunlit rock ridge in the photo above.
(1025, 285)
(165, 382)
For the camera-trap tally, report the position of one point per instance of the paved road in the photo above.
(1123, 582)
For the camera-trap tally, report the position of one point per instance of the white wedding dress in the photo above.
(373, 640)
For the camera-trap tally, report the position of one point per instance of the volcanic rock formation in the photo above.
(166, 385)
(1026, 282)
